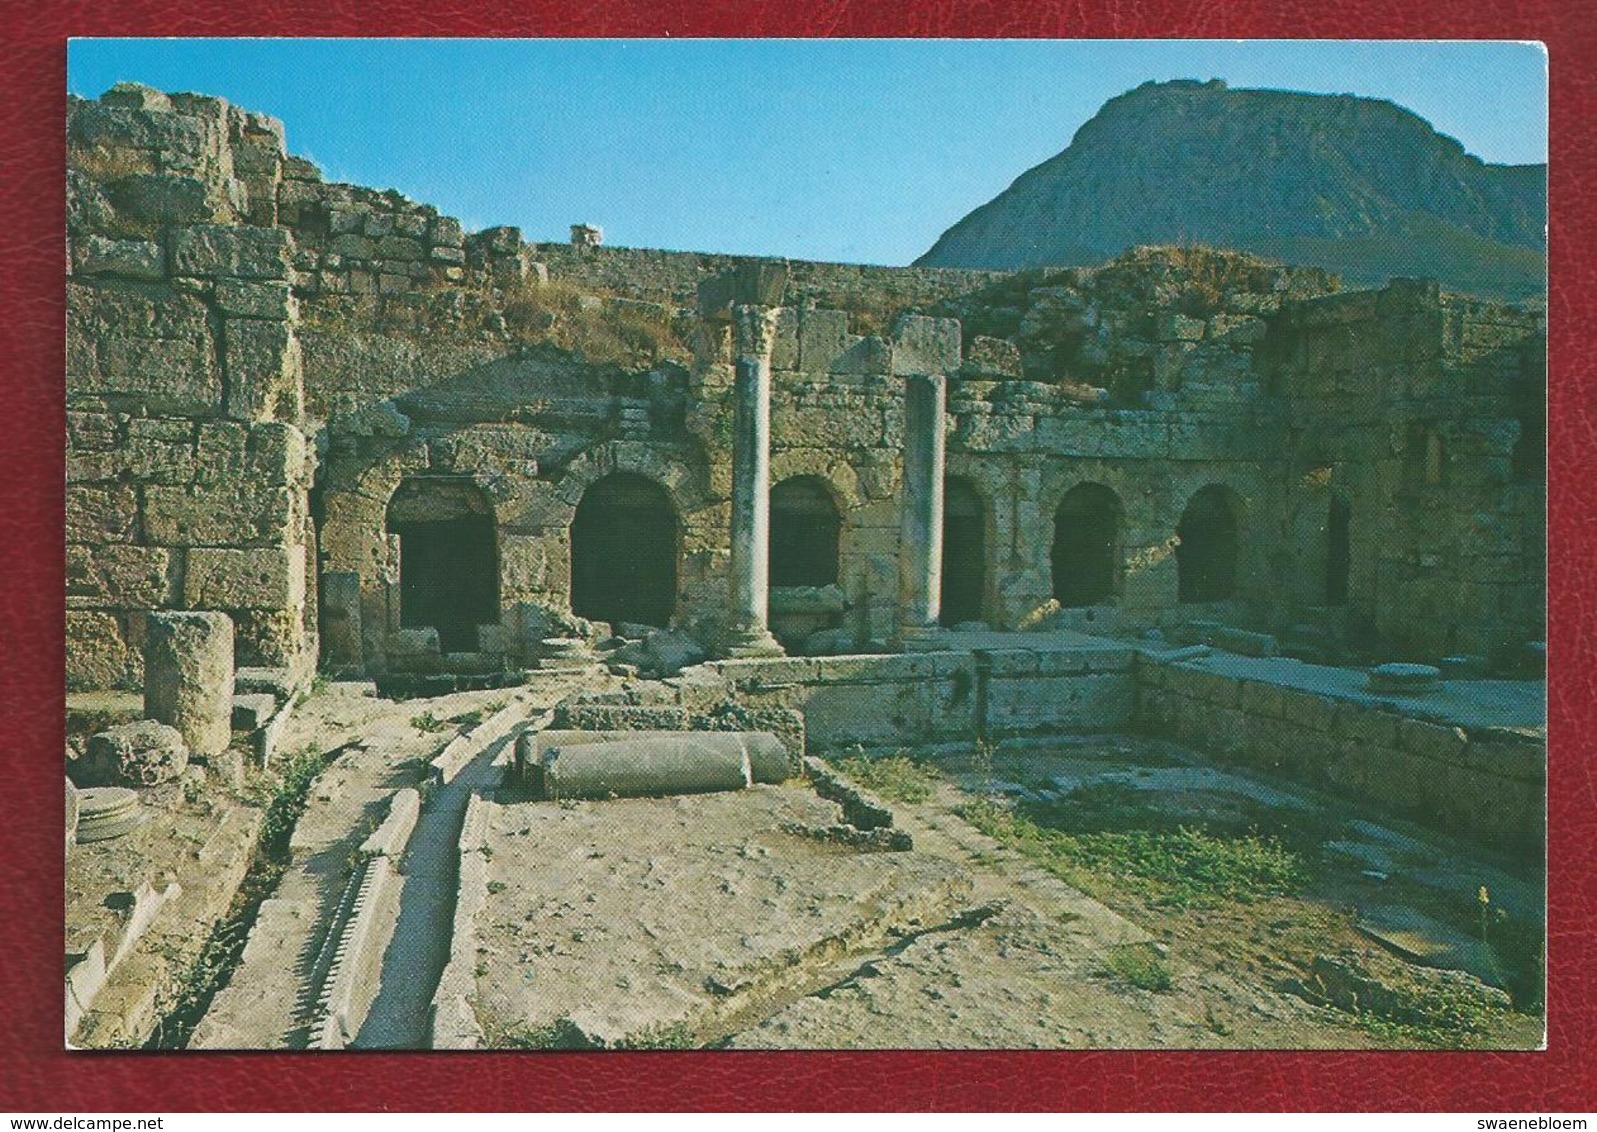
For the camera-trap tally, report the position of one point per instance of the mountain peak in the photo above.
(1361, 186)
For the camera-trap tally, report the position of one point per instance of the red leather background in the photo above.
(36, 1075)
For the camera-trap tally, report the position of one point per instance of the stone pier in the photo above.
(188, 677)
(748, 631)
(920, 553)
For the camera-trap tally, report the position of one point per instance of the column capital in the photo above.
(753, 332)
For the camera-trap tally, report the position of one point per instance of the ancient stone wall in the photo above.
(187, 466)
(231, 315)
(1483, 782)
(1410, 406)
(656, 275)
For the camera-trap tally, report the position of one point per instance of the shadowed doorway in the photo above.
(964, 553)
(1086, 550)
(624, 552)
(448, 558)
(1206, 555)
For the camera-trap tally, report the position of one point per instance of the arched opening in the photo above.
(804, 533)
(1086, 551)
(624, 552)
(1206, 548)
(448, 558)
(964, 552)
(1338, 550)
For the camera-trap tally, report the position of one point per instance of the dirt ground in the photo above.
(722, 920)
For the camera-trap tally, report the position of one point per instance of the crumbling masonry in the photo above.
(325, 411)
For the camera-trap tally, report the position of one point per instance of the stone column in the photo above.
(188, 677)
(748, 593)
(920, 548)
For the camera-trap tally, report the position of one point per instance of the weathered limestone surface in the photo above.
(920, 555)
(749, 591)
(145, 753)
(188, 677)
(223, 297)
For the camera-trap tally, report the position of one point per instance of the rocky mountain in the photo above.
(1358, 186)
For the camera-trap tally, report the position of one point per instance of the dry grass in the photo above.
(601, 327)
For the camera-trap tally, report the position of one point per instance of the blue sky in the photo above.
(852, 150)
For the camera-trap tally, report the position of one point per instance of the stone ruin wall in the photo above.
(188, 464)
(1425, 411)
(232, 317)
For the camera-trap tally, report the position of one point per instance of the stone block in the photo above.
(923, 345)
(822, 335)
(1060, 703)
(1434, 741)
(1263, 699)
(165, 375)
(413, 650)
(100, 514)
(300, 169)
(162, 199)
(876, 715)
(1210, 686)
(1228, 733)
(991, 357)
(252, 710)
(239, 298)
(1173, 327)
(231, 512)
(96, 651)
(188, 677)
(1367, 726)
(447, 232)
(1120, 433)
(145, 753)
(785, 340)
(120, 576)
(400, 248)
(92, 432)
(338, 596)
(264, 379)
(1309, 710)
(760, 283)
(352, 246)
(215, 251)
(864, 355)
(256, 578)
(111, 141)
(1243, 642)
(1508, 754)
(126, 259)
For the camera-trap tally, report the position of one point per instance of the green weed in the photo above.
(428, 722)
(1139, 966)
(284, 794)
(897, 778)
(1178, 867)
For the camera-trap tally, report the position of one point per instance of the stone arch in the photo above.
(625, 545)
(1088, 553)
(806, 530)
(683, 487)
(448, 560)
(1208, 541)
(966, 547)
(840, 479)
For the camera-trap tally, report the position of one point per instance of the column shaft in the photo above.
(920, 554)
(749, 583)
